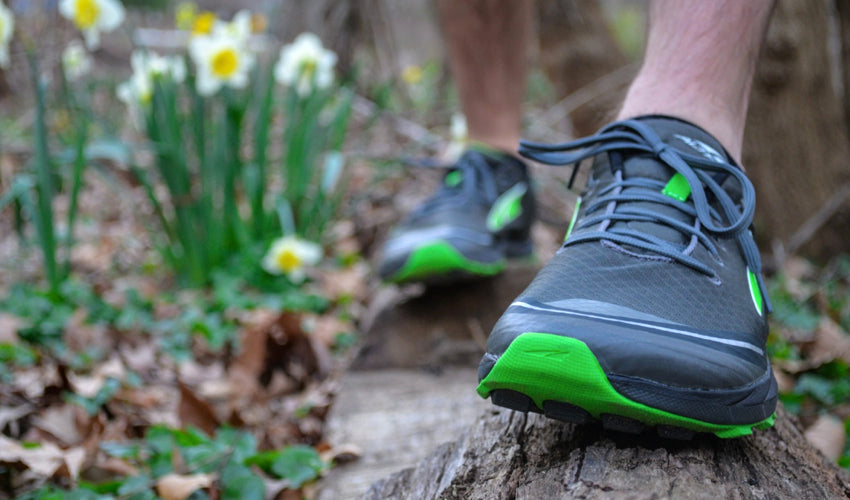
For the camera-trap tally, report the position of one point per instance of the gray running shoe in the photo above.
(653, 313)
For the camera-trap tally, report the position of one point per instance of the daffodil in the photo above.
(305, 65)
(185, 14)
(458, 129)
(93, 16)
(221, 59)
(7, 27)
(239, 28)
(290, 256)
(412, 74)
(203, 23)
(459, 138)
(147, 68)
(76, 61)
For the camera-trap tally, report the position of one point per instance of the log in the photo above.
(511, 455)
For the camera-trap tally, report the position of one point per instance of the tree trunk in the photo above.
(509, 455)
(796, 144)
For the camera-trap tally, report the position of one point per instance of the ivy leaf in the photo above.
(298, 464)
(240, 483)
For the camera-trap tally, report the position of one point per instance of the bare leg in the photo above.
(699, 64)
(487, 43)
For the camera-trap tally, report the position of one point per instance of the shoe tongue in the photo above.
(683, 137)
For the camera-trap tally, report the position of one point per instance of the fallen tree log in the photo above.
(510, 455)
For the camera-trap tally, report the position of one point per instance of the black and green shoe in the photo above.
(653, 313)
(480, 216)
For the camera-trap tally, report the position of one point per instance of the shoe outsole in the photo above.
(561, 378)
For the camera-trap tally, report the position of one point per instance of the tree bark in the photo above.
(509, 455)
(796, 144)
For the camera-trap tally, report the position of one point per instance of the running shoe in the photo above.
(653, 312)
(479, 217)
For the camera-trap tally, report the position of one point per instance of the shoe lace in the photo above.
(477, 184)
(704, 178)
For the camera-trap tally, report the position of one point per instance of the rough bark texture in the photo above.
(509, 455)
(796, 144)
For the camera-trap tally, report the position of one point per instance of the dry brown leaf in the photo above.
(79, 334)
(342, 454)
(140, 359)
(179, 487)
(66, 423)
(827, 435)
(326, 328)
(346, 282)
(89, 385)
(74, 460)
(33, 382)
(250, 362)
(45, 460)
(830, 343)
(193, 410)
(12, 414)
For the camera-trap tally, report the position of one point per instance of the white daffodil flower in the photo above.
(147, 68)
(93, 16)
(305, 65)
(221, 59)
(290, 255)
(458, 129)
(238, 28)
(7, 27)
(76, 61)
(153, 66)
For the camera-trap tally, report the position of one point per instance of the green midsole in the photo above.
(439, 257)
(547, 367)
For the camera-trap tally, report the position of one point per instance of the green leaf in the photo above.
(298, 464)
(241, 483)
(121, 450)
(136, 485)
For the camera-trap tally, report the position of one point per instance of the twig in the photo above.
(557, 113)
(808, 229)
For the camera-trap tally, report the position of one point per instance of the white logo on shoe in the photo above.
(702, 148)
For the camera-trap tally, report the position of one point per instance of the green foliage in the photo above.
(230, 455)
(202, 316)
(298, 464)
(214, 155)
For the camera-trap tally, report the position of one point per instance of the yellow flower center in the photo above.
(308, 68)
(203, 24)
(288, 261)
(412, 75)
(224, 63)
(86, 14)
